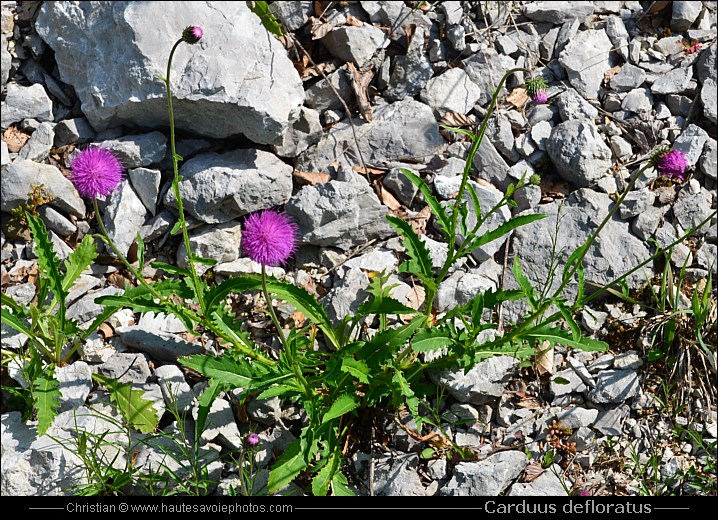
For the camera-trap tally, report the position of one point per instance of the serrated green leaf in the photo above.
(204, 261)
(261, 9)
(14, 322)
(436, 208)
(344, 404)
(383, 346)
(340, 485)
(290, 464)
(356, 368)
(556, 335)
(139, 412)
(140, 299)
(298, 297)
(420, 264)
(228, 333)
(140, 252)
(223, 369)
(79, 260)
(383, 305)
(575, 329)
(277, 390)
(427, 340)
(581, 284)
(506, 227)
(46, 401)
(9, 301)
(46, 258)
(171, 269)
(526, 288)
(323, 479)
(205, 401)
(176, 228)
(412, 402)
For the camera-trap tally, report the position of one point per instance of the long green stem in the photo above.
(592, 238)
(454, 218)
(175, 186)
(178, 309)
(108, 241)
(287, 350)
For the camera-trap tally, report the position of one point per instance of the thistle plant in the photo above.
(334, 371)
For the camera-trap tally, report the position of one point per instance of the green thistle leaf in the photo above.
(139, 412)
(46, 401)
(79, 260)
(344, 404)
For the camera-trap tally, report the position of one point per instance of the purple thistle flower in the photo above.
(269, 237)
(95, 172)
(192, 34)
(252, 440)
(672, 164)
(540, 97)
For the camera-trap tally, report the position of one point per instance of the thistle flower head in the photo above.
(269, 237)
(670, 163)
(192, 34)
(252, 440)
(540, 97)
(95, 172)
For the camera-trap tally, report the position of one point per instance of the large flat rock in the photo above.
(237, 80)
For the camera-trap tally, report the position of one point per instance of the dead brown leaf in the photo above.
(518, 97)
(360, 85)
(311, 178)
(15, 139)
(530, 403)
(320, 29)
(415, 297)
(544, 359)
(117, 280)
(388, 199)
(658, 6)
(368, 170)
(418, 221)
(532, 472)
(298, 318)
(457, 120)
(610, 73)
(354, 21)
(106, 330)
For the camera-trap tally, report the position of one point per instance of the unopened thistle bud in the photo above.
(192, 34)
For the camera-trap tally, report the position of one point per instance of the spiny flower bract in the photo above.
(95, 172)
(269, 237)
(534, 85)
(192, 34)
